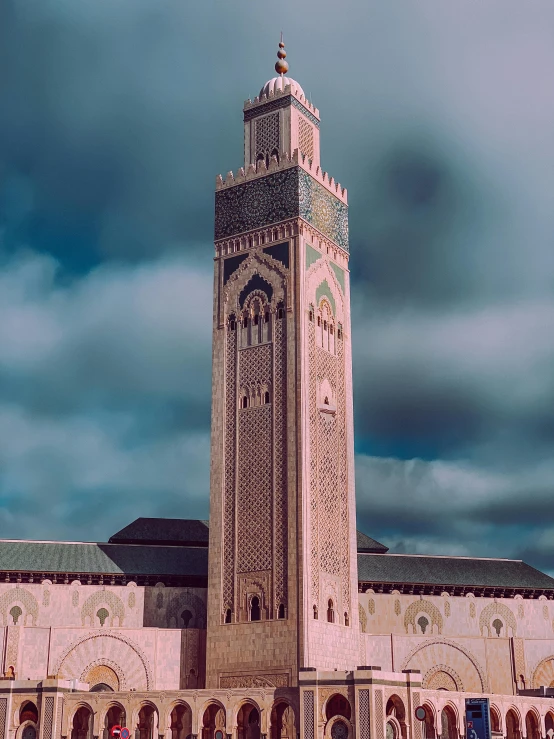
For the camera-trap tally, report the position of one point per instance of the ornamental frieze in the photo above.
(290, 193)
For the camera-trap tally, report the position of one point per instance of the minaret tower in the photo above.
(282, 573)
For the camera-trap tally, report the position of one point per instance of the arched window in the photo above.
(319, 320)
(281, 611)
(280, 313)
(330, 612)
(497, 625)
(245, 402)
(228, 616)
(15, 613)
(346, 621)
(266, 397)
(245, 322)
(187, 618)
(102, 614)
(266, 316)
(256, 319)
(423, 623)
(315, 612)
(326, 400)
(255, 611)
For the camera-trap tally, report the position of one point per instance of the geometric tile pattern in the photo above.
(280, 463)
(277, 197)
(48, 717)
(308, 714)
(379, 718)
(363, 712)
(20, 595)
(267, 134)
(277, 104)
(230, 451)
(306, 138)
(330, 551)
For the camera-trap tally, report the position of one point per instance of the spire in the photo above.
(281, 66)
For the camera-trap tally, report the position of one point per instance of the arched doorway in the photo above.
(448, 724)
(248, 722)
(147, 722)
(512, 725)
(81, 727)
(180, 721)
(495, 720)
(531, 726)
(213, 722)
(282, 722)
(428, 724)
(338, 705)
(395, 709)
(28, 712)
(115, 716)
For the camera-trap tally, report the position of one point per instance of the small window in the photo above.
(228, 616)
(330, 612)
(266, 317)
(245, 402)
(325, 325)
(497, 626)
(311, 317)
(280, 313)
(255, 320)
(326, 401)
(346, 619)
(315, 612)
(319, 320)
(245, 322)
(102, 615)
(281, 611)
(266, 398)
(255, 611)
(231, 325)
(331, 329)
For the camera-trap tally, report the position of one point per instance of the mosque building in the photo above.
(278, 619)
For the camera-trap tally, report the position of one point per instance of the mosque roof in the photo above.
(107, 559)
(451, 572)
(368, 545)
(174, 531)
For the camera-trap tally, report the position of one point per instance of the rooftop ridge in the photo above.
(274, 95)
(102, 543)
(258, 170)
(449, 556)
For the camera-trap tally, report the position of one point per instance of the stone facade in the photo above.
(273, 634)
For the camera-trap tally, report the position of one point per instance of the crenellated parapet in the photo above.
(255, 171)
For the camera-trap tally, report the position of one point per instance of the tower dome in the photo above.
(278, 84)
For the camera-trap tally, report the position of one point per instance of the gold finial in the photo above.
(281, 66)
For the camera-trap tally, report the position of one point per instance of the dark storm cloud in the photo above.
(116, 116)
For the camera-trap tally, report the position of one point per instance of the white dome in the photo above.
(279, 84)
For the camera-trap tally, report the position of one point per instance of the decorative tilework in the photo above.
(257, 203)
(277, 104)
(48, 719)
(267, 134)
(322, 210)
(277, 197)
(308, 714)
(363, 712)
(339, 274)
(3, 715)
(19, 595)
(306, 138)
(312, 255)
(325, 291)
(379, 715)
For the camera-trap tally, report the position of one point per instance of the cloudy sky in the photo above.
(115, 117)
